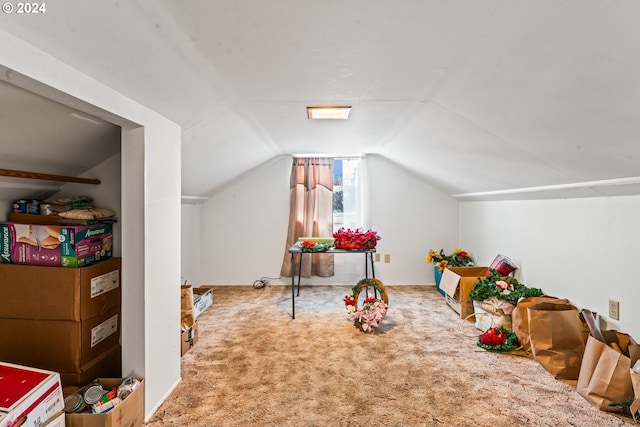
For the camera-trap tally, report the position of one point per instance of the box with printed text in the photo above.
(54, 293)
(202, 299)
(188, 337)
(59, 345)
(55, 245)
(29, 397)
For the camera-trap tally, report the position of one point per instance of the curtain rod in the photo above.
(47, 176)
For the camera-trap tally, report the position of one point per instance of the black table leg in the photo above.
(366, 265)
(299, 272)
(293, 295)
(369, 259)
(373, 272)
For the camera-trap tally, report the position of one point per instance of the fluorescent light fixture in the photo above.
(326, 112)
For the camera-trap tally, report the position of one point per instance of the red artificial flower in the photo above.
(493, 337)
(358, 238)
(463, 254)
(349, 301)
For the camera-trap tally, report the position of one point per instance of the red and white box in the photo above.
(29, 397)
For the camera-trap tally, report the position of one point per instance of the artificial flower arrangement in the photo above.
(459, 258)
(373, 310)
(311, 246)
(355, 239)
(495, 297)
(498, 339)
(502, 288)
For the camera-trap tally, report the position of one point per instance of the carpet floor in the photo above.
(256, 366)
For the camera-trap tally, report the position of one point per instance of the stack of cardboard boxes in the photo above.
(65, 320)
(188, 323)
(193, 302)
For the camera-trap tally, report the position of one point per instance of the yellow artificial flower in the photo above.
(433, 255)
(459, 258)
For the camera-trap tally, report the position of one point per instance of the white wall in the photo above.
(245, 225)
(411, 216)
(581, 249)
(150, 222)
(12, 189)
(104, 195)
(160, 204)
(191, 241)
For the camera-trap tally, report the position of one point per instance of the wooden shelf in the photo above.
(47, 176)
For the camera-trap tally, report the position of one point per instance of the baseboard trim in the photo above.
(161, 401)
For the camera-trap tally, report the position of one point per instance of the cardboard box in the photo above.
(186, 320)
(129, 413)
(58, 345)
(55, 245)
(202, 299)
(56, 421)
(27, 218)
(28, 397)
(106, 365)
(186, 300)
(54, 293)
(457, 283)
(188, 338)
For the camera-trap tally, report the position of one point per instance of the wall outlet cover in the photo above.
(614, 309)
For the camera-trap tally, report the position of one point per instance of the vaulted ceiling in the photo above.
(488, 99)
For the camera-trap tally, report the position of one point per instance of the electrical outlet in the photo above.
(614, 309)
(377, 257)
(387, 257)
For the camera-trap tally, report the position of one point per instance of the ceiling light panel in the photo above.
(326, 112)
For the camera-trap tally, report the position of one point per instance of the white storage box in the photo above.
(202, 299)
(29, 397)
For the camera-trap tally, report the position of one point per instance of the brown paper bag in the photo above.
(520, 319)
(557, 338)
(635, 410)
(634, 357)
(635, 382)
(635, 406)
(605, 374)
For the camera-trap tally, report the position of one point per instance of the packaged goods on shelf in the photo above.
(55, 245)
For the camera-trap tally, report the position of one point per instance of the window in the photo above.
(347, 193)
(348, 212)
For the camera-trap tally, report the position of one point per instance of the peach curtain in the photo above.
(310, 212)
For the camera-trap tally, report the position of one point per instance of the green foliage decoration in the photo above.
(500, 287)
